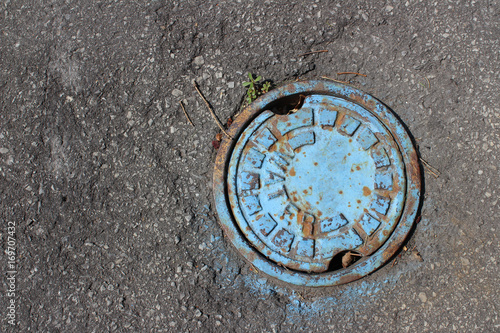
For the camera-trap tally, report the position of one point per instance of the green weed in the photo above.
(255, 87)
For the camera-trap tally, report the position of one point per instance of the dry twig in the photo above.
(432, 170)
(312, 52)
(329, 78)
(185, 113)
(210, 109)
(355, 73)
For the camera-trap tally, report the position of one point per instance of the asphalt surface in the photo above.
(106, 189)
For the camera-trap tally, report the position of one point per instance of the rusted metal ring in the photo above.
(320, 185)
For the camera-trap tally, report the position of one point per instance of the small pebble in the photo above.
(199, 61)
(176, 92)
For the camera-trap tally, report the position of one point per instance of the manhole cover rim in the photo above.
(368, 264)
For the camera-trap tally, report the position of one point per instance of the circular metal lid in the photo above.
(320, 184)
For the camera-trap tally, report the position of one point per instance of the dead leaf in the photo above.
(216, 144)
(218, 136)
(417, 255)
(229, 121)
(348, 258)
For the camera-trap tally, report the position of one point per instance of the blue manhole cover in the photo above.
(320, 186)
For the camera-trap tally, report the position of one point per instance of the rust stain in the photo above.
(349, 278)
(393, 247)
(340, 118)
(295, 266)
(340, 192)
(358, 201)
(358, 167)
(309, 219)
(279, 239)
(282, 118)
(358, 99)
(305, 191)
(307, 229)
(292, 172)
(366, 191)
(320, 86)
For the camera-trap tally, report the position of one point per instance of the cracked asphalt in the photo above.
(106, 189)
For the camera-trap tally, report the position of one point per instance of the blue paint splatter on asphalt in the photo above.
(348, 297)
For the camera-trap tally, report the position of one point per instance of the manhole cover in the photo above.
(319, 186)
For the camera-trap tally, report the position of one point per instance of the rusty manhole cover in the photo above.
(319, 186)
